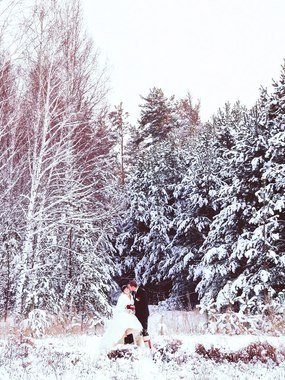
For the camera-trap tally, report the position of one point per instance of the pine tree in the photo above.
(145, 241)
(187, 118)
(263, 280)
(241, 145)
(147, 231)
(156, 117)
(195, 206)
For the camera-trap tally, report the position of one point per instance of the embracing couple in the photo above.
(130, 319)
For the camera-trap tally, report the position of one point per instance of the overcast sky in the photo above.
(218, 50)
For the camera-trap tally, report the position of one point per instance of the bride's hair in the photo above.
(124, 287)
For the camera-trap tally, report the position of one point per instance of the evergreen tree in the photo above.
(263, 279)
(147, 231)
(156, 118)
(237, 262)
(195, 206)
(145, 241)
(221, 261)
(187, 119)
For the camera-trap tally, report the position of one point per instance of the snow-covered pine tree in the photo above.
(261, 283)
(156, 117)
(144, 233)
(187, 119)
(159, 164)
(194, 208)
(225, 259)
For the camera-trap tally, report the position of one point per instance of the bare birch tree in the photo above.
(64, 174)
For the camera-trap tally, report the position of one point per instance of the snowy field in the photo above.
(79, 357)
(173, 356)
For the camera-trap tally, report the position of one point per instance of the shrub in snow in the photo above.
(57, 361)
(123, 352)
(270, 321)
(262, 352)
(233, 323)
(171, 303)
(170, 351)
(17, 353)
(37, 322)
(272, 318)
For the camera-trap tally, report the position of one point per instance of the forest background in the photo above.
(195, 211)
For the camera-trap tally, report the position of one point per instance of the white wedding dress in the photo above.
(124, 321)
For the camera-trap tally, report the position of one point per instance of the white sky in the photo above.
(218, 50)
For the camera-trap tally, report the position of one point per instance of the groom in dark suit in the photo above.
(141, 304)
(141, 308)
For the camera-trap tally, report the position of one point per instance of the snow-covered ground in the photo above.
(174, 355)
(79, 357)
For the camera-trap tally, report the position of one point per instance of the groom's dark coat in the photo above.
(141, 305)
(142, 312)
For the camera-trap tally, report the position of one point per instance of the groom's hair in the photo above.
(133, 283)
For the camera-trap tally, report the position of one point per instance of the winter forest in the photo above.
(194, 211)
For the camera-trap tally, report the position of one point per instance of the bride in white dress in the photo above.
(124, 321)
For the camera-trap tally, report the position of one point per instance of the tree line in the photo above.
(87, 198)
(206, 203)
